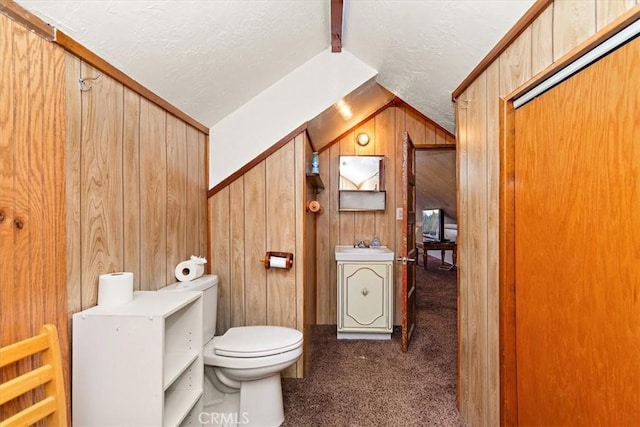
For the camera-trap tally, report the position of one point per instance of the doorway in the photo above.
(436, 189)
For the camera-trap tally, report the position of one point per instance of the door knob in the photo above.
(405, 260)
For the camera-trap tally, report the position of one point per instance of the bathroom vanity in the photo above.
(365, 292)
(139, 363)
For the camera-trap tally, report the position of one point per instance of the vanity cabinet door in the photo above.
(364, 297)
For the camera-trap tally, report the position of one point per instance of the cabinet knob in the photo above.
(1, 216)
(19, 224)
(365, 292)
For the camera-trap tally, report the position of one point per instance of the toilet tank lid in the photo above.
(257, 341)
(200, 284)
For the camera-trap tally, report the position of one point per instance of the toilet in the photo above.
(242, 367)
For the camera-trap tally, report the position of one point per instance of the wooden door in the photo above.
(576, 260)
(408, 250)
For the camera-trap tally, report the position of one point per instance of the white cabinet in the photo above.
(365, 300)
(138, 364)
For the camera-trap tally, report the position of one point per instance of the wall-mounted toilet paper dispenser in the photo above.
(277, 260)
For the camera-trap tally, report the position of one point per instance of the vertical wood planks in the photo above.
(237, 251)
(607, 10)
(133, 175)
(131, 184)
(416, 128)
(35, 170)
(221, 256)
(464, 350)
(193, 183)
(176, 195)
(281, 231)
(32, 193)
(477, 243)
(153, 196)
(347, 219)
(101, 190)
(55, 111)
(365, 222)
(401, 123)
(492, 200)
(573, 22)
(515, 63)
(255, 244)
(385, 125)
(21, 134)
(201, 198)
(334, 231)
(324, 248)
(542, 41)
(304, 272)
(73, 108)
(7, 175)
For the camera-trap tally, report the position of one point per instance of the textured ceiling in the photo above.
(210, 57)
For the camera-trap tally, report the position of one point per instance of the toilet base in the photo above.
(257, 404)
(261, 402)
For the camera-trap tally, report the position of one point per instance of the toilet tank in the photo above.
(208, 284)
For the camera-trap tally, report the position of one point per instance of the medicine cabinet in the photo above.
(361, 183)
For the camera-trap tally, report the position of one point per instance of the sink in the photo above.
(349, 253)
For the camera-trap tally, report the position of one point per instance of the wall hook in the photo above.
(84, 86)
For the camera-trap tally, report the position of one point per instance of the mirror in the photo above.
(361, 173)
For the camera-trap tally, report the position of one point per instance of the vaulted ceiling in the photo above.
(208, 58)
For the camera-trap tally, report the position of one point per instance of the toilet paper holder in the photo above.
(274, 259)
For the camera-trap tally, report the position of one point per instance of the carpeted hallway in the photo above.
(372, 383)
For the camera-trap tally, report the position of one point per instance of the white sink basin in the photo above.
(349, 253)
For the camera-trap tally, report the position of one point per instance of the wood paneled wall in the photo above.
(560, 28)
(32, 209)
(136, 187)
(264, 210)
(343, 228)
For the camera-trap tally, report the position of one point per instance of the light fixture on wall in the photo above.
(362, 139)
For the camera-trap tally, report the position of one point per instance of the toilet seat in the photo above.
(256, 341)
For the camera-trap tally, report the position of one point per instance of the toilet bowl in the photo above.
(242, 366)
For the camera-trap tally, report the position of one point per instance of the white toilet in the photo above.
(242, 367)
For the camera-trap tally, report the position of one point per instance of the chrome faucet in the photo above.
(361, 244)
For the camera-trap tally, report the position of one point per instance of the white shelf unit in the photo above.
(139, 363)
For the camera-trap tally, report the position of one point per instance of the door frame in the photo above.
(408, 256)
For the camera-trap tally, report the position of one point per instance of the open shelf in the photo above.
(315, 180)
(175, 363)
(178, 405)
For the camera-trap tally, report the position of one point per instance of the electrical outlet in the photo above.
(399, 213)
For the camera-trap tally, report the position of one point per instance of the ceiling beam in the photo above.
(337, 8)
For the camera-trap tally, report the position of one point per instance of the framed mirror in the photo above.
(361, 173)
(361, 183)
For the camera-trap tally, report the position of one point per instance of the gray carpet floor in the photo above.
(372, 383)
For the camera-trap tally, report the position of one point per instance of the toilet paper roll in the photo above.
(115, 289)
(277, 262)
(189, 270)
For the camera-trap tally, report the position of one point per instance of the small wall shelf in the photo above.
(315, 181)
